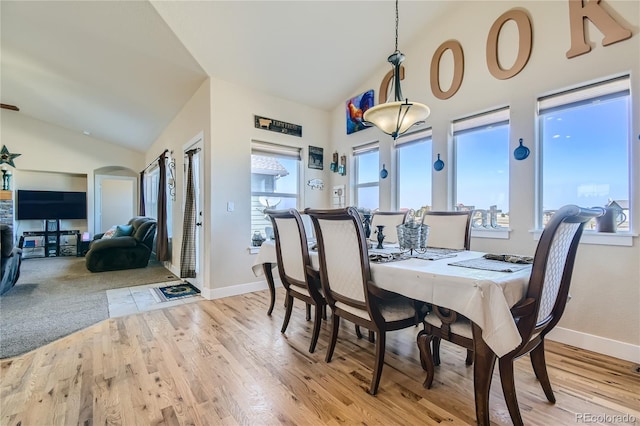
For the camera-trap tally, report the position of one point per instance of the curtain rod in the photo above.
(194, 150)
(153, 162)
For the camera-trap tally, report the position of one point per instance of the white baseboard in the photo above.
(235, 290)
(174, 270)
(602, 345)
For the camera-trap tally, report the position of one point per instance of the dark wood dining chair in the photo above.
(448, 229)
(535, 315)
(294, 265)
(346, 279)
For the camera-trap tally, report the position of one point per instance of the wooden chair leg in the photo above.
(316, 328)
(509, 390)
(469, 359)
(308, 312)
(335, 320)
(426, 358)
(287, 314)
(436, 350)
(358, 332)
(540, 368)
(372, 336)
(324, 311)
(377, 368)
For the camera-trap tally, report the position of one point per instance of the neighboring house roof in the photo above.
(623, 204)
(263, 165)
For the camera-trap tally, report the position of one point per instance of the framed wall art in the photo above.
(355, 109)
(316, 157)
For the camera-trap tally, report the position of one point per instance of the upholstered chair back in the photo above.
(144, 230)
(291, 243)
(344, 270)
(451, 230)
(553, 263)
(390, 220)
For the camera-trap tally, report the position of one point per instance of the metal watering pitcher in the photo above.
(610, 220)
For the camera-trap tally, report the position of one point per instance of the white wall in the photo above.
(606, 285)
(224, 113)
(232, 121)
(48, 148)
(191, 120)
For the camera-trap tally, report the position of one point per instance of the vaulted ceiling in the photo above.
(121, 70)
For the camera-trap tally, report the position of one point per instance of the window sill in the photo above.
(624, 239)
(499, 233)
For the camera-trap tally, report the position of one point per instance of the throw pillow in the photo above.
(109, 233)
(123, 231)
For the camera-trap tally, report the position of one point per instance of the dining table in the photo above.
(461, 280)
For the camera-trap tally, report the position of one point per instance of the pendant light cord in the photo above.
(396, 25)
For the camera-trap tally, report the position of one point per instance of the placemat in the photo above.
(490, 265)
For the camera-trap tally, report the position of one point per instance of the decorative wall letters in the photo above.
(578, 11)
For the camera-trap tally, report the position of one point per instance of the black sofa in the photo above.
(127, 252)
(10, 259)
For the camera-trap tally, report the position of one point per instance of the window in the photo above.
(274, 181)
(151, 192)
(413, 169)
(481, 145)
(584, 148)
(151, 181)
(367, 167)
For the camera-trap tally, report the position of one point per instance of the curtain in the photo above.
(188, 253)
(141, 210)
(162, 242)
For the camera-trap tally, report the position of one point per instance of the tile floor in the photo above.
(131, 300)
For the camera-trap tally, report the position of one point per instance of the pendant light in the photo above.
(395, 118)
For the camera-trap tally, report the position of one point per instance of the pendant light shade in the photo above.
(395, 118)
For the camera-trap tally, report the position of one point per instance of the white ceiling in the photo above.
(117, 70)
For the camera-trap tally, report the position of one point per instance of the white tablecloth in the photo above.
(485, 297)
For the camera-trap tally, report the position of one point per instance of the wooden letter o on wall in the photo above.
(524, 47)
(384, 86)
(458, 69)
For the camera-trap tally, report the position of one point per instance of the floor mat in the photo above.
(173, 292)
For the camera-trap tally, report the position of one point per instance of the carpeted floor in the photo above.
(57, 296)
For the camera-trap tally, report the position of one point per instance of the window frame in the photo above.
(419, 137)
(496, 117)
(269, 149)
(614, 87)
(357, 151)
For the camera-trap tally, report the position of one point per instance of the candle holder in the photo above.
(380, 236)
(6, 179)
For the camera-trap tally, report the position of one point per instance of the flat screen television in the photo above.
(31, 205)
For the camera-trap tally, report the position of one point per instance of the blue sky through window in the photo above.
(585, 158)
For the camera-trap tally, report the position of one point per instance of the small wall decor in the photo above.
(355, 110)
(383, 173)
(316, 183)
(521, 152)
(439, 164)
(334, 162)
(277, 126)
(7, 157)
(342, 168)
(6, 179)
(316, 157)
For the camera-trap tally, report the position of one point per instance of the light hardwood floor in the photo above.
(225, 362)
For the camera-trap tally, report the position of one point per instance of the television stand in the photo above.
(55, 241)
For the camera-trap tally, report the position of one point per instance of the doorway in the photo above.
(115, 201)
(196, 146)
